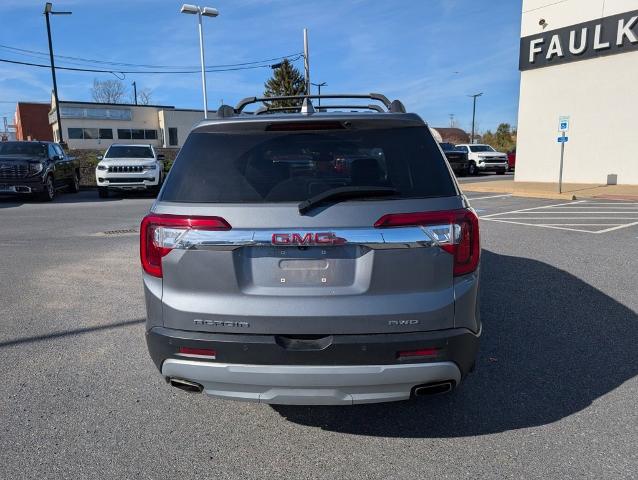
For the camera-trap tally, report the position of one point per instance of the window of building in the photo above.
(123, 134)
(106, 134)
(76, 133)
(96, 112)
(172, 136)
(137, 134)
(150, 134)
(91, 134)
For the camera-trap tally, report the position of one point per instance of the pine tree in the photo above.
(286, 80)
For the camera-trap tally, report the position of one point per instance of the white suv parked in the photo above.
(483, 158)
(129, 167)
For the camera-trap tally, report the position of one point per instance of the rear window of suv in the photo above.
(254, 167)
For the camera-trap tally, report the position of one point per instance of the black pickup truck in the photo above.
(37, 168)
(456, 158)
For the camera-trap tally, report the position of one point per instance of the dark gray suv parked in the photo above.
(298, 256)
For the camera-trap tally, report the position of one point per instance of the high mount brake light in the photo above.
(302, 126)
(160, 233)
(455, 231)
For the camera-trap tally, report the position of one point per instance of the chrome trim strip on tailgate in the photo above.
(408, 237)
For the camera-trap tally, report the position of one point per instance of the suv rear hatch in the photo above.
(240, 252)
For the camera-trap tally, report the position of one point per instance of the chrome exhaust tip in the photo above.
(185, 385)
(433, 388)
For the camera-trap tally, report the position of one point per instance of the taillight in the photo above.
(159, 234)
(455, 231)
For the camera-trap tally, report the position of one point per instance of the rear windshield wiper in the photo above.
(344, 193)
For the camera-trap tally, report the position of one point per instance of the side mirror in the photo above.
(99, 157)
(161, 156)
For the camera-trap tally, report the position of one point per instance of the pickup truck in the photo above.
(457, 158)
(483, 158)
(37, 168)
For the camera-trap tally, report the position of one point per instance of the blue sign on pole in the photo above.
(563, 139)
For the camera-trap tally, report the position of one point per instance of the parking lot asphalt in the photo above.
(553, 396)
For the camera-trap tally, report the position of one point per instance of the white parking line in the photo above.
(618, 227)
(533, 208)
(491, 196)
(602, 217)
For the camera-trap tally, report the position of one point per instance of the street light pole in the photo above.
(319, 85)
(48, 10)
(203, 62)
(206, 12)
(306, 60)
(475, 96)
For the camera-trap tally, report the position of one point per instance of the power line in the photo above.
(69, 59)
(143, 72)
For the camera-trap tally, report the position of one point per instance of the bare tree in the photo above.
(145, 96)
(108, 91)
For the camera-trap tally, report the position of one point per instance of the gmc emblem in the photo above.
(319, 238)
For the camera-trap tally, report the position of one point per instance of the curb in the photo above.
(550, 196)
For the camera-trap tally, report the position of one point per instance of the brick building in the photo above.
(32, 121)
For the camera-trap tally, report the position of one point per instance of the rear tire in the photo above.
(49, 190)
(103, 192)
(74, 185)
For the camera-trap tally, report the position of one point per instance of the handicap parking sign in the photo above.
(563, 124)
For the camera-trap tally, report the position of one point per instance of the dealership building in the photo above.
(579, 85)
(91, 125)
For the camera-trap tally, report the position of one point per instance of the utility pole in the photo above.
(319, 85)
(306, 60)
(451, 120)
(475, 96)
(135, 92)
(48, 10)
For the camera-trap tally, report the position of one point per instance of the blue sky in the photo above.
(429, 53)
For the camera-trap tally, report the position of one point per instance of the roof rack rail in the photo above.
(321, 108)
(394, 107)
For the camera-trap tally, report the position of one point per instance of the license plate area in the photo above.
(295, 267)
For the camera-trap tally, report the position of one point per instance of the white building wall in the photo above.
(599, 95)
(145, 118)
(183, 120)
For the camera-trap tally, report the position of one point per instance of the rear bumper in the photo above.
(311, 384)
(336, 369)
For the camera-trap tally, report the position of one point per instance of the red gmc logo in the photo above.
(319, 238)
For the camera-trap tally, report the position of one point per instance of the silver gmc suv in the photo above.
(302, 255)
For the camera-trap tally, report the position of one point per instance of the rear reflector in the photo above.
(424, 352)
(455, 231)
(197, 352)
(160, 233)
